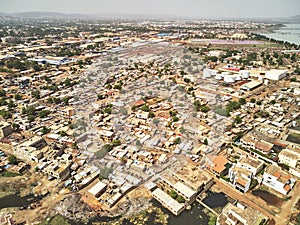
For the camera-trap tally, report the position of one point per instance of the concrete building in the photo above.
(240, 178)
(251, 164)
(5, 129)
(30, 150)
(277, 179)
(97, 189)
(289, 157)
(251, 85)
(240, 214)
(276, 74)
(167, 201)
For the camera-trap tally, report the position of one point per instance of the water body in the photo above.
(15, 200)
(193, 216)
(289, 33)
(268, 197)
(215, 200)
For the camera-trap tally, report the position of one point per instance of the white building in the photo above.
(167, 201)
(240, 214)
(274, 177)
(276, 74)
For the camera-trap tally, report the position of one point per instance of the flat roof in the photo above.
(97, 188)
(167, 200)
(188, 192)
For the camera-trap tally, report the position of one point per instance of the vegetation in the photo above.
(56, 220)
(212, 219)
(177, 141)
(9, 174)
(13, 160)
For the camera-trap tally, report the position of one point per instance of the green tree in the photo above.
(31, 118)
(242, 101)
(116, 142)
(238, 119)
(177, 141)
(180, 199)
(13, 160)
(17, 96)
(44, 113)
(205, 141)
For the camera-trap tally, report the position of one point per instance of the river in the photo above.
(289, 33)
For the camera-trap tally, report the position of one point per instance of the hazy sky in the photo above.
(193, 8)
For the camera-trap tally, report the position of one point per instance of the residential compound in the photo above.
(118, 113)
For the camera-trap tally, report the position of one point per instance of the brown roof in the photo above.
(219, 163)
(263, 146)
(139, 103)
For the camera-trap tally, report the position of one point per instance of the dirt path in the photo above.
(280, 215)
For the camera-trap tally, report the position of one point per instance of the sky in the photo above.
(185, 8)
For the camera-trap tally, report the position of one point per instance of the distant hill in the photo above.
(55, 15)
(39, 15)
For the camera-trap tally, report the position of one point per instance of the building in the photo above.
(251, 85)
(219, 165)
(240, 214)
(289, 157)
(30, 150)
(5, 129)
(98, 189)
(53, 60)
(240, 178)
(167, 201)
(277, 179)
(251, 164)
(276, 74)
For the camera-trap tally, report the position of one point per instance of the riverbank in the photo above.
(286, 32)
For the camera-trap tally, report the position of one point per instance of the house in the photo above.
(251, 164)
(5, 129)
(219, 165)
(167, 201)
(97, 189)
(30, 150)
(240, 178)
(290, 157)
(274, 177)
(240, 214)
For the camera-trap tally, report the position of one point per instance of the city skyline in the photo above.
(188, 8)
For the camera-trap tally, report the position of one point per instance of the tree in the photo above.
(145, 108)
(173, 194)
(17, 96)
(175, 119)
(204, 108)
(107, 147)
(205, 141)
(242, 101)
(238, 119)
(252, 100)
(180, 199)
(151, 114)
(44, 113)
(177, 141)
(116, 142)
(45, 130)
(13, 160)
(31, 118)
(36, 94)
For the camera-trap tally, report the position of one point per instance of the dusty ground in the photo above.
(280, 215)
